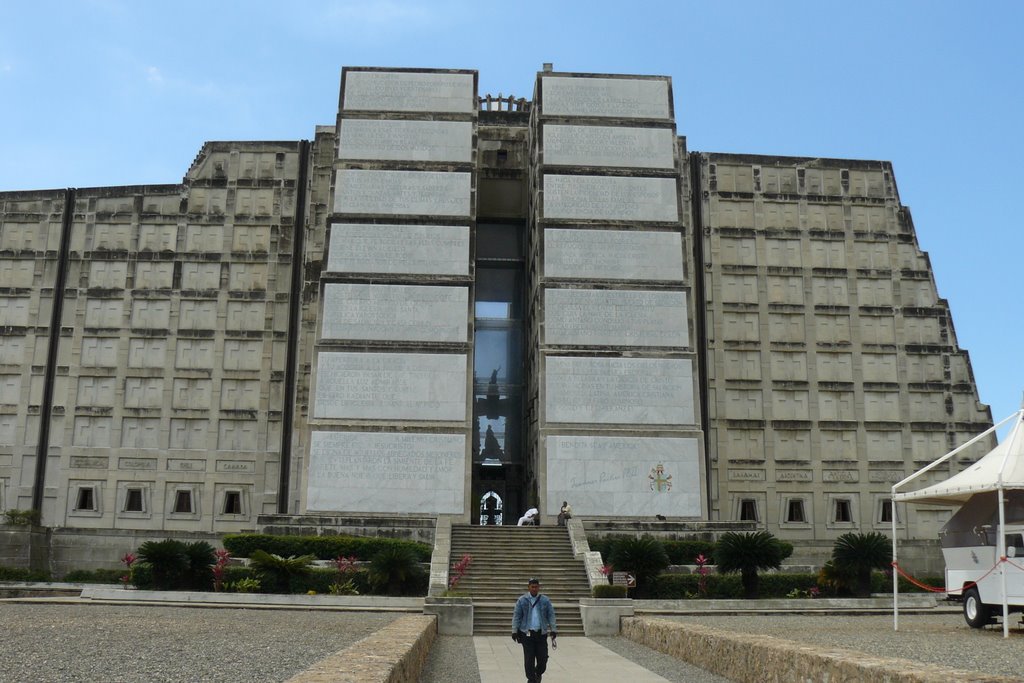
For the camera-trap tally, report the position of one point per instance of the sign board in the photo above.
(623, 579)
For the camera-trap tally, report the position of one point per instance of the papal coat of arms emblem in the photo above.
(660, 482)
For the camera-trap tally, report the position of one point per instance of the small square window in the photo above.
(886, 510)
(133, 501)
(86, 499)
(233, 503)
(748, 510)
(795, 513)
(183, 502)
(841, 512)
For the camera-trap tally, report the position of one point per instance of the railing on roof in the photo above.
(501, 103)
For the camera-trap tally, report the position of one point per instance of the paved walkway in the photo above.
(576, 659)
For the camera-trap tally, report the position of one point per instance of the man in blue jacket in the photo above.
(533, 619)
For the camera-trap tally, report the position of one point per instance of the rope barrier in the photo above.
(947, 589)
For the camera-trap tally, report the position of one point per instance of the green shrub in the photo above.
(276, 572)
(602, 545)
(95, 576)
(320, 547)
(609, 591)
(21, 517)
(855, 555)
(684, 586)
(245, 585)
(201, 557)
(395, 570)
(20, 574)
(749, 553)
(168, 563)
(645, 557)
(686, 552)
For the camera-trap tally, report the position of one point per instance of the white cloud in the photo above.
(154, 76)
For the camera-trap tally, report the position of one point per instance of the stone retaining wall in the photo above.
(394, 654)
(764, 659)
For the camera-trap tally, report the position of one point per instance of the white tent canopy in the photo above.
(1000, 470)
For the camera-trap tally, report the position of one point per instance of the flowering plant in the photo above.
(702, 571)
(344, 585)
(128, 559)
(607, 571)
(459, 570)
(223, 556)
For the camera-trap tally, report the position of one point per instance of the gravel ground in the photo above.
(129, 644)
(664, 665)
(452, 660)
(942, 639)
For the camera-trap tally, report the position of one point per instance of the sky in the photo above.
(111, 92)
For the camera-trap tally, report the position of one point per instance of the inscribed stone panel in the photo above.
(246, 315)
(374, 472)
(739, 288)
(92, 432)
(784, 253)
(929, 368)
(395, 312)
(828, 254)
(775, 215)
(877, 330)
(834, 367)
(414, 249)
(153, 237)
(204, 238)
(830, 291)
(790, 405)
(613, 255)
(154, 314)
(610, 198)
(871, 219)
(625, 476)
(738, 251)
(959, 372)
(12, 350)
(832, 329)
(186, 433)
(391, 386)
(409, 91)
(99, 352)
(406, 140)
(917, 293)
(108, 274)
(141, 432)
(882, 405)
(778, 180)
(19, 272)
(873, 255)
(10, 389)
(743, 365)
(615, 318)
(154, 274)
(242, 354)
(254, 203)
(927, 407)
(740, 326)
(792, 444)
(200, 275)
(95, 391)
(625, 98)
(910, 257)
(615, 146)
(927, 446)
(195, 354)
(18, 236)
(921, 330)
(619, 390)
(417, 193)
(743, 404)
(728, 213)
(838, 444)
(783, 289)
(874, 292)
(789, 366)
(884, 445)
(192, 394)
(8, 430)
(146, 352)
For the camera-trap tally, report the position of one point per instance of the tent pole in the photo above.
(1001, 551)
(895, 573)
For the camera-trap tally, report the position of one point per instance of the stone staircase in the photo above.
(504, 559)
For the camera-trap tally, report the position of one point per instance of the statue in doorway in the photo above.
(492, 449)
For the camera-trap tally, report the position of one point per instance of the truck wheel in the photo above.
(976, 613)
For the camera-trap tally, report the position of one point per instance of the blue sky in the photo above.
(105, 92)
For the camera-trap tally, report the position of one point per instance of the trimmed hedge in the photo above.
(609, 591)
(95, 576)
(679, 552)
(321, 547)
(728, 586)
(19, 574)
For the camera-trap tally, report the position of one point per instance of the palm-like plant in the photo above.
(168, 561)
(858, 554)
(749, 553)
(393, 569)
(277, 570)
(644, 556)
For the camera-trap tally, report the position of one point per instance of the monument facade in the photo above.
(445, 300)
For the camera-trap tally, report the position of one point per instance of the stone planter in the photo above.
(454, 615)
(601, 616)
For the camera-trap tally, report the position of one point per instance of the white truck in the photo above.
(970, 548)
